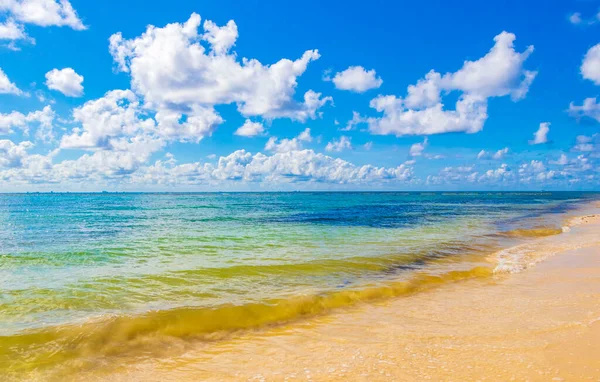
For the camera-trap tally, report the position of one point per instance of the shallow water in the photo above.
(90, 276)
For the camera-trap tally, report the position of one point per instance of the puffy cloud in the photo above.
(498, 155)
(12, 155)
(418, 148)
(499, 73)
(43, 12)
(192, 127)
(283, 167)
(541, 135)
(469, 117)
(114, 115)
(561, 161)
(66, 81)
(42, 118)
(125, 157)
(357, 79)
(250, 129)
(356, 119)
(6, 86)
(587, 144)
(10, 30)
(575, 18)
(344, 143)
(179, 71)
(590, 108)
(286, 145)
(590, 68)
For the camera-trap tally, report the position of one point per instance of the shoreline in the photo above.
(522, 326)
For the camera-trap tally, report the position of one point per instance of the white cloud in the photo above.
(590, 67)
(125, 156)
(575, 18)
(356, 119)
(587, 144)
(590, 108)
(344, 143)
(498, 155)
(541, 135)
(42, 118)
(10, 30)
(43, 12)
(284, 167)
(418, 148)
(561, 161)
(12, 155)
(368, 146)
(191, 127)
(6, 86)
(117, 114)
(357, 79)
(469, 117)
(66, 81)
(286, 145)
(250, 129)
(499, 73)
(179, 71)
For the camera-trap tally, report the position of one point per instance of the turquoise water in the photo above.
(187, 265)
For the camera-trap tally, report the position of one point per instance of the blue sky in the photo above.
(136, 95)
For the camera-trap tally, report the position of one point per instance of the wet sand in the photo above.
(542, 323)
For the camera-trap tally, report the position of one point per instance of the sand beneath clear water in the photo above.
(540, 324)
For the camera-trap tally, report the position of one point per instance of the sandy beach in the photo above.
(540, 324)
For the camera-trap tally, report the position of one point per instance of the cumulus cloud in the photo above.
(6, 86)
(66, 81)
(43, 13)
(286, 145)
(11, 154)
(126, 165)
(250, 129)
(575, 18)
(590, 67)
(541, 135)
(498, 155)
(586, 143)
(590, 108)
(183, 73)
(41, 120)
(344, 143)
(561, 161)
(125, 157)
(11, 30)
(357, 79)
(284, 167)
(418, 148)
(356, 119)
(499, 73)
(117, 114)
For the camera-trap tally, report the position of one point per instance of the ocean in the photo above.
(86, 278)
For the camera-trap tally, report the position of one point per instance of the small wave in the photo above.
(531, 232)
(519, 258)
(144, 335)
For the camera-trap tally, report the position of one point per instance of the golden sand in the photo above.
(542, 324)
